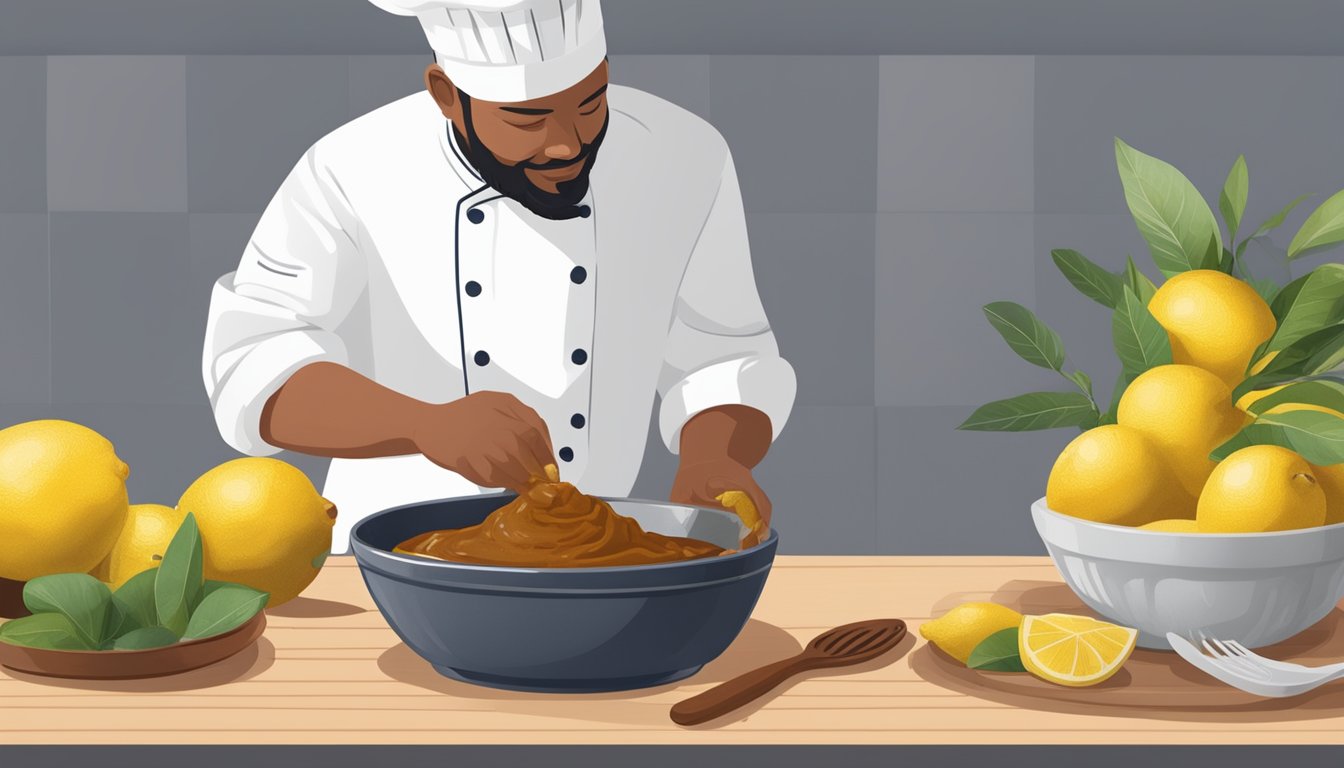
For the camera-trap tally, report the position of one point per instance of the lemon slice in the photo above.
(1073, 650)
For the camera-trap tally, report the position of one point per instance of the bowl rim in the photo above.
(1084, 523)
(363, 549)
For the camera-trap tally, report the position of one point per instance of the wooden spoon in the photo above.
(840, 647)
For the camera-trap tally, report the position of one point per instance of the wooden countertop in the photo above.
(329, 671)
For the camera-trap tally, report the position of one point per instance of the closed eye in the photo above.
(596, 106)
(529, 126)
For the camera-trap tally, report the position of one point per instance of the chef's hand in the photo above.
(490, 438)
(701, 483)
(719, 446)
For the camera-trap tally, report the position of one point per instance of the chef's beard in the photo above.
(511, 180)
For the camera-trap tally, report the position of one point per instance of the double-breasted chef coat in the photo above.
(384, 251)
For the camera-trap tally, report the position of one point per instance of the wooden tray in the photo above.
(129, 665)
(1149, 681)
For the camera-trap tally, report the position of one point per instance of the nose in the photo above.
(562, 141)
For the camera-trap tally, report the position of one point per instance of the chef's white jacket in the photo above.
(383, 251)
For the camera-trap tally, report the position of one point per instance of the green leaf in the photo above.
(1030, 338)
(1232, 201)
(1121, 384)
(1326, 393)
(997, 653)
(1268, 289)
(1138, 282)
(1083, 381)
(228, 607)
(209, 586)
(1094, 282)
(1271, 223)
(133, 605)
(1322, 229)
(1227, 263)
(1308, 304)
(1140, 341)
(44, 630)
(179, 577)
(1032, 411)
(145, 637)
(1317, 437)
(78, 597)
(1170, 213)
(1313, 354)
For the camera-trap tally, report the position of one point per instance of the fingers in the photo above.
(522, 412)
(522, 445)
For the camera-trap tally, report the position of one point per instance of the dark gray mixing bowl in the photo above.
(563, 629)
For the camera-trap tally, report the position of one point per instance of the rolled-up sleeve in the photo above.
(720, 348)
(298, 278)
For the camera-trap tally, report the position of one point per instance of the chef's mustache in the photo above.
(552, 165)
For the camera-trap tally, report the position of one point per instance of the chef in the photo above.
(499, 273)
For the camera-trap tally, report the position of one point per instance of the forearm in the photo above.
(330, 410)
(735, 432)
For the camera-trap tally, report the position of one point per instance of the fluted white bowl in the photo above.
(1257, 588)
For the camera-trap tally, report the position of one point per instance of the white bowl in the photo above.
(1257, 588)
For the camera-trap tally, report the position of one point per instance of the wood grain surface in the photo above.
(329, 671)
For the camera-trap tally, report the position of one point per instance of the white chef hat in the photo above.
(510, 50)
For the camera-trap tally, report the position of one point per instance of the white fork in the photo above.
(1240, 667)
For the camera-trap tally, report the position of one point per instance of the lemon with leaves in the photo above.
(1186, 412)
(1214, 321)
(961, 629)
(262, 524)
(1261, 488)
(141, 544)
(62, 498)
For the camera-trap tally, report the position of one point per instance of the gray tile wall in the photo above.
(888, 199)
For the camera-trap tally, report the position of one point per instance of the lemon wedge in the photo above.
(742, 505)
(1073, 650)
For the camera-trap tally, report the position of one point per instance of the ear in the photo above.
(443, 91)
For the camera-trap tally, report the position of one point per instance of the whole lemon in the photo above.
(62, 498)
(1186, 412)
(1172, 526)
(1214, 321)
(1331, 480)
(958, 631)
(262, 524)
(141, 543)
(1113, 474)
(1261, 488)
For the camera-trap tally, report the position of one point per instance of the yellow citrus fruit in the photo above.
(1249, 399)
(958, 631)
(1113, 474)
(62, 499)
(1172, 526)
(1186, 412)
(1331, 479)
(1073, 650)
(141, 543)
(1214, 321)
(742, 506)
(1261, 488)
(262, 524)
